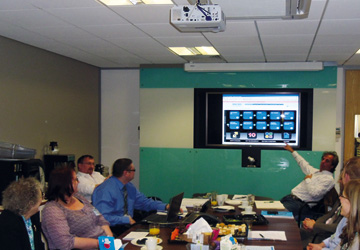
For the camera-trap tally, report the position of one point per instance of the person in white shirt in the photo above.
(88, 178)
(316, 184)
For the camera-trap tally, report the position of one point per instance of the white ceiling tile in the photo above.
(114, 31)
(336, 9)
(162, 30)
(340, 27)
(285, 58)
(235, 41)
(62, 33)
(355, 60)
(88, 16)
(30, 18)
(333, 39)
(140, 14)
(128, 36)
(240, 50)
(287, 27)
(179, 41)
(53, 4)
(280, 41)
(16, 5)
(244, 58)
(236, 28)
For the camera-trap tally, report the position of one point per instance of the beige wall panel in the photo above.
(166, 118)
(352, 107)
(46, 97)
(324, 119)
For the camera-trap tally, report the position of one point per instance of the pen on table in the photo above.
(262, 236)
(268, 201)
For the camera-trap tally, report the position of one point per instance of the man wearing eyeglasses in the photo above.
(316, 183)
(117, 197)
(88, 178)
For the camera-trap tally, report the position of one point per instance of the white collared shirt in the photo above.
(87, 183)
(314, 188)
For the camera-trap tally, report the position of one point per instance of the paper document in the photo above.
(259, 248)
(267, 235)
(239, 196)
(135, 235)
(188, 202)
(269, 205)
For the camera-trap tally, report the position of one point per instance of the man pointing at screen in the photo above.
(316, 183)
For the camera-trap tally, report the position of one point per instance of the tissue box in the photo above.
(207, 238)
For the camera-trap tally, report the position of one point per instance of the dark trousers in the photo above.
(293, 204)
(119, 229)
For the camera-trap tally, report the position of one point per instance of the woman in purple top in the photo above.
(68, 219)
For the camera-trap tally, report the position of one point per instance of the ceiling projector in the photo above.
(198, 18)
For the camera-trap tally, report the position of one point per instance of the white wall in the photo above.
(120, 117)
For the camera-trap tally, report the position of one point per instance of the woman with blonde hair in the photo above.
(350, 208)
(19, 229)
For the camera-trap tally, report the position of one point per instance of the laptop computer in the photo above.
(192, 217)
(172, 215)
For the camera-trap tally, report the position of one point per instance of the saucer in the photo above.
(248, 213)
(157, 248)
(242, 206)
(233, 202)
(224, 208)
(134, 241)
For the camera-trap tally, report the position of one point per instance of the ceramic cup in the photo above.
(151, 243)
(220, 198)
(245, 203)
(248, 209)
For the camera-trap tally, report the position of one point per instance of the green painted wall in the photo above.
(168, 171)
(168, 168)
(178, 78)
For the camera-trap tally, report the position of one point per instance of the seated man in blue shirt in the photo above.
(117, 197)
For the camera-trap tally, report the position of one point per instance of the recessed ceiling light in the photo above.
(134, 2)
(183, 51)
(157, 2)
(207, 51)
(193, 51)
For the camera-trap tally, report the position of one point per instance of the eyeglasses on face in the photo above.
(88, 163)
(131, 170)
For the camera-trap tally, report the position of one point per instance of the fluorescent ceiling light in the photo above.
(234, 67)
(193, 51)
(207, 51)
(157, 2)
(134, 2)
(116, 2)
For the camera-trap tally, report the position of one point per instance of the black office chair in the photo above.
(320, 207)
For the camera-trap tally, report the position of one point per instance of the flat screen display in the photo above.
(263, 118)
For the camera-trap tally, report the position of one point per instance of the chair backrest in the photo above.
(330, 198)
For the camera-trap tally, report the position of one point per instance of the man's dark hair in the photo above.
(81, 159)
(335, 160)
(120, 166)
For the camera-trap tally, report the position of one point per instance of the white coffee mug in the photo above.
(151, 243)
(245, 203)
(248, 209)
(220, 199)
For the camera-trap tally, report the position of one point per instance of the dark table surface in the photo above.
(275, 224)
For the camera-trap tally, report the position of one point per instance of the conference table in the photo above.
(289, 225)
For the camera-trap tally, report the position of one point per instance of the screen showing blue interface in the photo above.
(261, 119)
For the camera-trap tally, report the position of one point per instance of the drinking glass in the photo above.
(154, 229)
